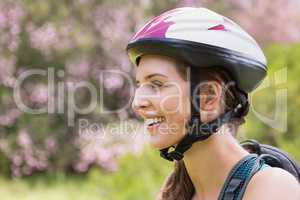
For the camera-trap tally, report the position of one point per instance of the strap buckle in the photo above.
(175, 155)
(171, 156)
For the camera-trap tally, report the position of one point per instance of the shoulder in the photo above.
(273, 183)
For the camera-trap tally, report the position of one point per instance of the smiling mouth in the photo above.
(154, 121)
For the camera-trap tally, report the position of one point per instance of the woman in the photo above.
(195, 68)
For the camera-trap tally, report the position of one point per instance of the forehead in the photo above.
(152, 64)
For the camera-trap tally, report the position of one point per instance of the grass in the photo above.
(138, 177)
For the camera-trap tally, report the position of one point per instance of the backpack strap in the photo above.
(239, 177)
(259, 165)
(273, 156)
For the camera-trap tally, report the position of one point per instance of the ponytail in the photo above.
(178, 185)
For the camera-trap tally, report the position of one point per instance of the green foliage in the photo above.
(283, 77)
(138, 177)
(4, 165)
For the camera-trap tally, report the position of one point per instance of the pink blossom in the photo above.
(17, 159)
(39, 94)
(10, 22)
(261, 17)
(3, 20)
(51, 144)
(194, 3)
(16, 171)
(44, 37)
(9, 118)
(79, 68)
(188, 2)
(113, 82)
(7, 68)
(24, 139)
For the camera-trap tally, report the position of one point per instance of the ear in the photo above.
(211, 94)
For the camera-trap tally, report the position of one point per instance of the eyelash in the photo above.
(154, 84)
(157, 83)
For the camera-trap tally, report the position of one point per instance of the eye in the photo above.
(137, 84)
(153, 84)
(156, 84)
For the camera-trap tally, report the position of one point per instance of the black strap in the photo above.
(257, 166)
(195, 121)
(199, 131)
(238, 178)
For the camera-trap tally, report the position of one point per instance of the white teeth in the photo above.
(154, 120)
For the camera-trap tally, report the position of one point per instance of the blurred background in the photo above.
(48, 150)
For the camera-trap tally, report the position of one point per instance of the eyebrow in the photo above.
(152, 75)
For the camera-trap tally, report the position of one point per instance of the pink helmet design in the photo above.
(202, 38)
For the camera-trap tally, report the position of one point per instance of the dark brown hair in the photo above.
(178, 184)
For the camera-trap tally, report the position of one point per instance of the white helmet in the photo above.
(202, 38)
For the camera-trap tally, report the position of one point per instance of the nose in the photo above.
(140, 102)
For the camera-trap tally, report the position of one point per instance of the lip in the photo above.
(154, 128)
(149, 114)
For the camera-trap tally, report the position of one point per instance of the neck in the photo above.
(209, 162)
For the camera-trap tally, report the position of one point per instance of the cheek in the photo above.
(175, 109)
(173, 102)
(170, 105)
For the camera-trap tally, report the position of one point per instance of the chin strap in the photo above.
(198, 131)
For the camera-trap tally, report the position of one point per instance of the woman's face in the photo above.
(161, 99)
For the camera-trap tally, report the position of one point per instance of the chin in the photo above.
(157, 145)
(162, 141)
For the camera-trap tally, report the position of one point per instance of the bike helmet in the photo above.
(202, 38)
